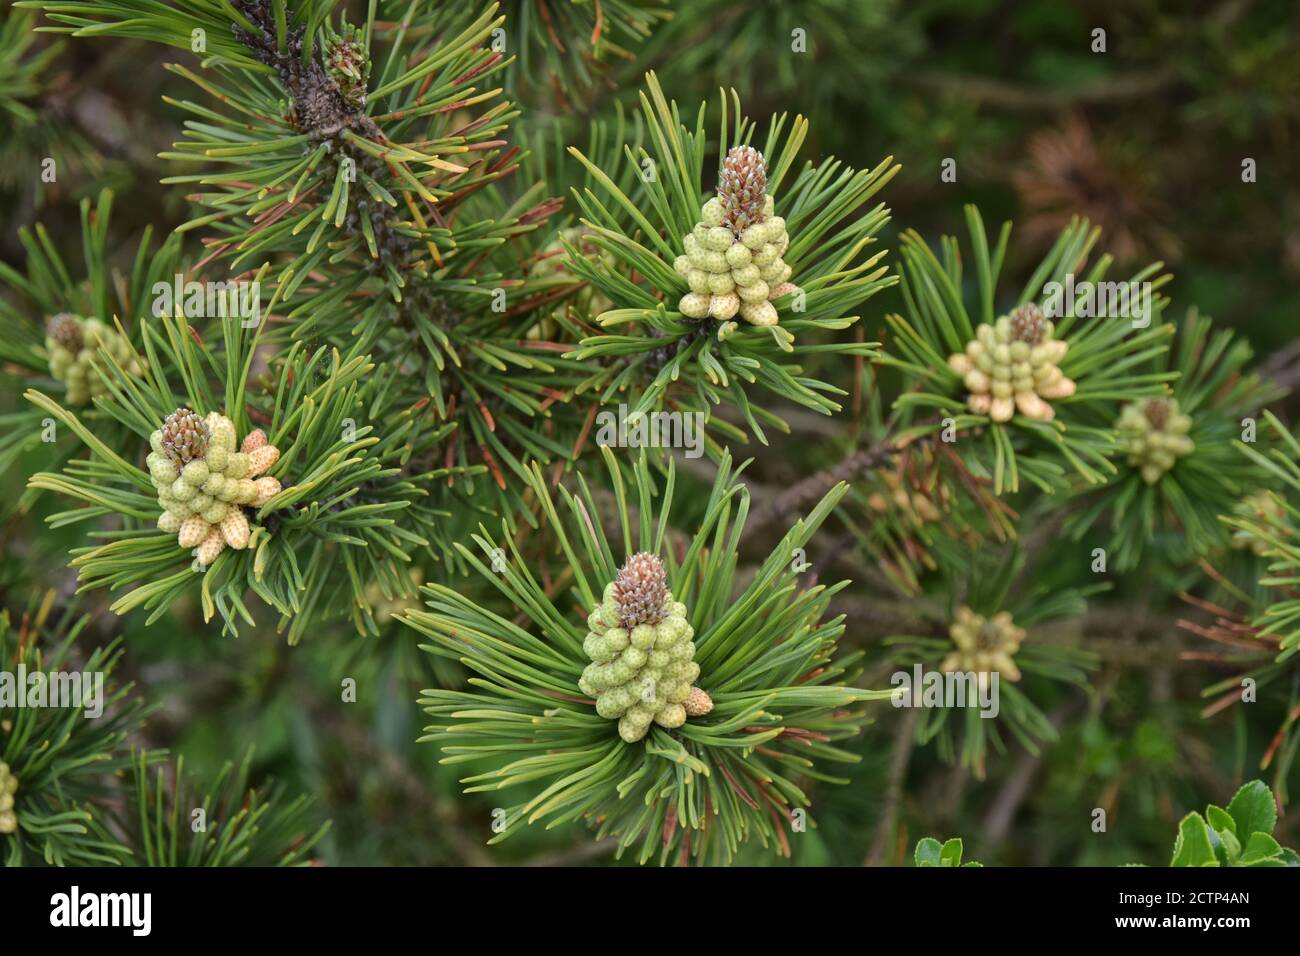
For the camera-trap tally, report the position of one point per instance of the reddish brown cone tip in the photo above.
(1157, 412)
(742, 188)
(1027, 323)
(641, 588)
(65, 330)
(184, 436)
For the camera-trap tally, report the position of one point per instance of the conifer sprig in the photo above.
(567, 48)
(986, 623)
(1177, 509)
(344, 479)
(1105, 355)
(37, 123)
(1246, 628)
(469, 346)
(62, 762)
(293, 167)
(765, 649)
(51, 288)
(656, 356)
(85, 795)
(1277, 529)
(241, 825)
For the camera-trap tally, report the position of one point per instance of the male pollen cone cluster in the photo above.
(1154, 433)
(8, 789)
(984, 645)
(733, 262)
(1014, 364)
(72, 343)
(642, 668)
(203, 482)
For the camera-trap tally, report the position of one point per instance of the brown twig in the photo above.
(1002, 95)
(794, 500)
(904, 741)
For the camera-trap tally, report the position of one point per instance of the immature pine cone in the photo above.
(639, 642)
(984, 644)
(1154, 434)
(742, 189)
(1027, 323)
(641, 587)
(65, 330)
(1014, 364)
(184, 437)
(8, 788)
(733, 261)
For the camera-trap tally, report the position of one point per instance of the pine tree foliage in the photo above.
(1103, 360)
(85, 795)
(995, 594)
(915, 506)
(36, 122)
(732, 43)
(61, 761)
(567, 47)
(382, 208)
(471, 232)
(1178, 507)
(228, 824)
(1252, 623)
(661, 358)
(1275, 529)
(767, 659)
(51, 287)
(23, 67)
(313, 522)
(299, 167)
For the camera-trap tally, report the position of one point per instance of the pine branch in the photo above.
(1009, 96)
(684, 344)
(319, 107)
(779, 507)
(762, 652)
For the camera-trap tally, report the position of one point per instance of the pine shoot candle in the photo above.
(733, 262)
(984, 644)
(1154, 434)
(639, 642)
